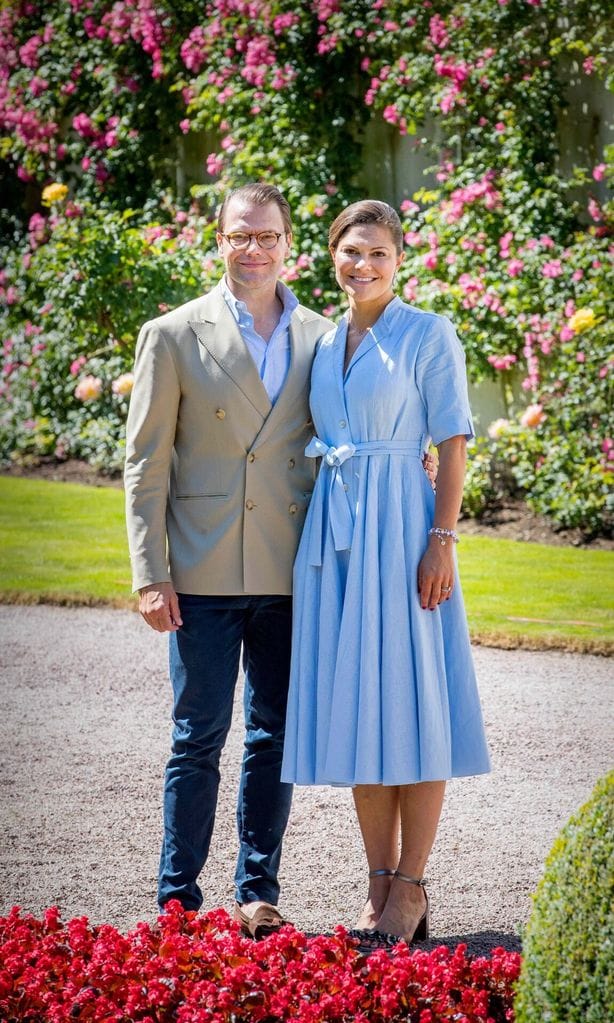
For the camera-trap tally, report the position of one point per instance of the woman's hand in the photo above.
(436, 569)
(436, 573)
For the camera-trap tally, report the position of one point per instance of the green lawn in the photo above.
(62, 543)
(65, 543)
(533, 595)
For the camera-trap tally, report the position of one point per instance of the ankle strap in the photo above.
(384, 872)
(410, 880)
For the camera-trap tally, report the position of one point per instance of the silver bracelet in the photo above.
(441, 534)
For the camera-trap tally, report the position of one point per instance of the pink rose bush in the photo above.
(104, 104)
(192, 968)
(101, 274)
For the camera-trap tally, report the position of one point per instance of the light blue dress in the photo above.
(381, 691)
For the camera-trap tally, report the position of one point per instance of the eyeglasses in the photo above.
(241, 240)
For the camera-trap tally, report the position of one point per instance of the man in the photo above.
(217, 487)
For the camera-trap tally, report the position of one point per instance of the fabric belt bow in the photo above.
(339, 510)
(340, 513)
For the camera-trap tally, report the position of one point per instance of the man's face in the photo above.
(253, 268)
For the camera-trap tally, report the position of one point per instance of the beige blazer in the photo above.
(216, 481)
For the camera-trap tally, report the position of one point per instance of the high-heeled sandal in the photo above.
(371, 940)
(361, 932)
(421, 932)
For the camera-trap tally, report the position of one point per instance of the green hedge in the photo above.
(568, 968)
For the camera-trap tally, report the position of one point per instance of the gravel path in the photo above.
(84, 739)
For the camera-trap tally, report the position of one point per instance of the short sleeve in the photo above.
(442, 382)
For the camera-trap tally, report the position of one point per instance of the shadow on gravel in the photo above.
(478, 944)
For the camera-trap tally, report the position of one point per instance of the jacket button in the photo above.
(220, 413)
(249, 505)
(342, 423)
(251, 457)
(293, 509)
(291, 463)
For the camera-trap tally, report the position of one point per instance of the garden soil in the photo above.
(85, 725)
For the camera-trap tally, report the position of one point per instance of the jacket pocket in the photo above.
(201, 497)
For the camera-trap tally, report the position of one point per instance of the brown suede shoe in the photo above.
(258, 919)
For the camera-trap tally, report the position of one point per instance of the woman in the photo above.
(383, 695)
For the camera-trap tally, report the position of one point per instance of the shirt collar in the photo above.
(242, 314)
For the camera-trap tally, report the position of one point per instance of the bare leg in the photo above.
(378, 812)
(420, 811)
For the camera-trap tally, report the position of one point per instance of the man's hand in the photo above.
(431, 466)
(159, 606)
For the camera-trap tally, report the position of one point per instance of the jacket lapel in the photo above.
(217, 330)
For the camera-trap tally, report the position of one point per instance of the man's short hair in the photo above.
(258, 194)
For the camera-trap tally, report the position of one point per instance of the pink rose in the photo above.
(88, 388)
(532, 416)
(552, 269)
(77, 365)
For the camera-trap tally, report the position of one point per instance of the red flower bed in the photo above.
(191, 968)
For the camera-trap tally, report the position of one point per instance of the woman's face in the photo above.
(365, 262)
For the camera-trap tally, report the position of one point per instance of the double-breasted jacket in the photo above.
(216, 480)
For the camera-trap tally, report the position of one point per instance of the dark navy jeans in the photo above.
(204, 664)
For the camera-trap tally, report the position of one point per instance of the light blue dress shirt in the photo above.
(272, 357)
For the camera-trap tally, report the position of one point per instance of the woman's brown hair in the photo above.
(367, 211)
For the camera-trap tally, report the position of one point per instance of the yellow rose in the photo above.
(54, 193)
(123, 385)
(582, 319)
(88, 388)
(498, 427)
